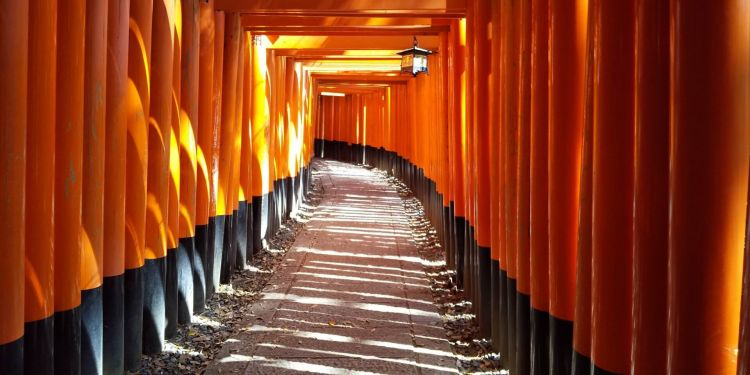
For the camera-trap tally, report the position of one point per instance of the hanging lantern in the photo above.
(414, 60)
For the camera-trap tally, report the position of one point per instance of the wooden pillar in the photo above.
(38, 341)
(245, 191)
(94, 132)
(114, 186)
(612, 215)
(14, 34)
(651, 188)
(482, 54)
(189, 125)
(204, 148)
(228, 118)
(523, 261)
(159, 129)
(710, 53)
(539, 240)
(173, 206)
(566, 40)
(510, 12)
(218, 223)
(68, 184)
(260, 165)
(138, 99)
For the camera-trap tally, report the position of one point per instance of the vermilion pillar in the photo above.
(510, 12)
(582, 319)
(497, 219)
(538, 216)
(38, 342)
(468, 149)
(239, 223)
(159, 129)
(173, 208)
(523, 300)
(709, 88)
(204, 148)
(228, 118)
(113, 288)
(218, 222)
(482, 54)
(260, 165)
(566, 40)
(94, 132)
(612, 215)
(651, 189)
(245, 191)
(68, 184)
(188, 118)
(13, 78)
(138, 99)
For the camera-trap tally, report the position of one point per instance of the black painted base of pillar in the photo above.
(484, 288)
(92, 331)
(503, 311)
(68, 341)
(539, 342)
(495, 304)
(170, 304)
(38, 347)
(241, 236)
(11, 357)
(154, 305)
(249, 241)
(581, 364)
(208, 257)
(220, 223)
(185, 255)
(459, 254)
(259, 202)
(113, 297)
(133, 319)
(511, 320)
(228, 253)
(199, 269)
(523, 333)
(561, 345)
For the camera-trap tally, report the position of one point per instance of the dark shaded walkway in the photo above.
(351, 297)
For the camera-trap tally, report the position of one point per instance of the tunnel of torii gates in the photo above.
(584, 162)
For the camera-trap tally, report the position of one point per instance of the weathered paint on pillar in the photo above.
(13, 115)
(38, 309)
(114, 186)
(71, 28)
(92, 255)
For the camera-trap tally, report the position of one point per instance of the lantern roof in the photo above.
(415, 50)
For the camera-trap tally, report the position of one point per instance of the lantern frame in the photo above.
(414, 59)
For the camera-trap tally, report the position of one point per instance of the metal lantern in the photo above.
(414, 60)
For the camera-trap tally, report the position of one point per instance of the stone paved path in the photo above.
(351, 296)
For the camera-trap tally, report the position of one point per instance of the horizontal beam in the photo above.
(359, 8)
(347, 42)
(320, 25)
(331, 54)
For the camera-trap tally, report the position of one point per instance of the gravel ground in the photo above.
(473, 355)
(195, 345)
